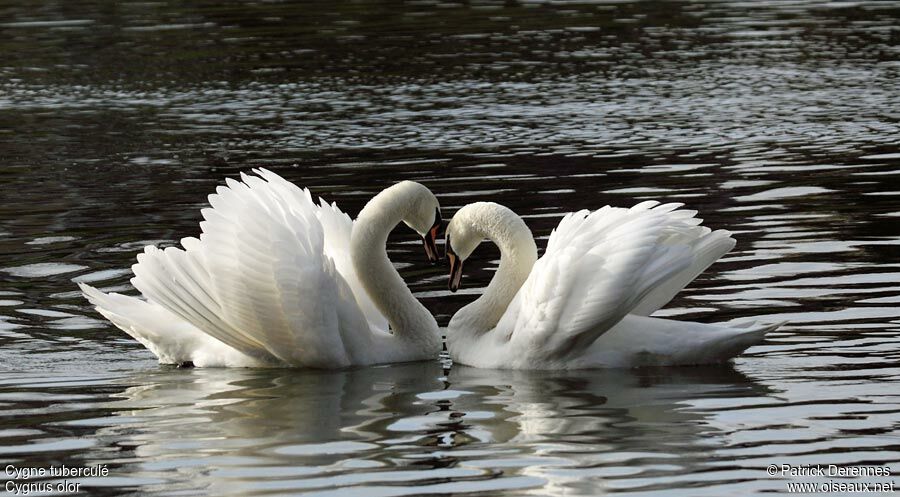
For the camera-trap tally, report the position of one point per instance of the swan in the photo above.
(276, 279)
(587, 302)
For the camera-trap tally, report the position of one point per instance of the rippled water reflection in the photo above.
(777, 120)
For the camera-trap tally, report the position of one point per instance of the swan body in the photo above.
(276, 279)
(587, 302)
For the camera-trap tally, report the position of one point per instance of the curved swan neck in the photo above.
(518, 253)
(409, 319)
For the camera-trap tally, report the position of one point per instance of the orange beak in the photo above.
(430, 239)
(456, 266)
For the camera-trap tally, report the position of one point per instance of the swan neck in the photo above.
(408, 318)
(518, 254)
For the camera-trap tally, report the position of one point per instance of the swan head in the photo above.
(423, 216)
(462, 237)
(481, 221)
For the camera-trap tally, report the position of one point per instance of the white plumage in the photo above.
(272, 282)
(585, 302)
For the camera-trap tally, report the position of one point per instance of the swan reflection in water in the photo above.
(245, 432)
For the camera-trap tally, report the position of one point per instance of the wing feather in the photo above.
(171, 339)
(337, 227)
(599, 266)
(262, 277)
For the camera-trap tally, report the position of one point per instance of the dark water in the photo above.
(777, 120)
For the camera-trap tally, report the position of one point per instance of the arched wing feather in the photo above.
(170, 338)
(260, 278)
(336, 228)
(597, 268)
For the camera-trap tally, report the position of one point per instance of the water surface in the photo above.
(776, 120)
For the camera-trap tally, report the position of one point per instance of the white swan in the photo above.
(586, 302)
(277, 280)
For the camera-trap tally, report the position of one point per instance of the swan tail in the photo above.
(647, 341)
(714, 343)
(725, 341)
(171, 339)
(149, 324)
(734, 340)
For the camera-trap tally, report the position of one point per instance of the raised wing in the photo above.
(336, 228)
(259, 279)
(600, 266)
